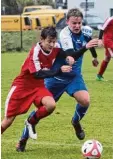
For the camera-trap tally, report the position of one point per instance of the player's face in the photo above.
(75, 24)
(48, 43)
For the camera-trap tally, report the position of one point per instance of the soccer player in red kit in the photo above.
(106, 38)
(28, 87)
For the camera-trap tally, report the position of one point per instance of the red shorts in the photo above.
(19, 100)
(109, 52)
(108, 44)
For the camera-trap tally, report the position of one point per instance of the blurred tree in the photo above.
(25, 2)
(45, 2)
(16, 6)
(35, 2)
(9, 7)
(22, 3)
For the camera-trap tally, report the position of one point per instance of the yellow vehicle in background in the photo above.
(34, 8)
(47, 20)
(35, 22)
(15, 23)
(43, 19)
(59, 13)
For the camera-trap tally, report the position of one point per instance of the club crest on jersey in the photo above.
(78, 41)
(66, 43)
(84, 43)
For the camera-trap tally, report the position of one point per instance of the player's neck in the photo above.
(47, 52)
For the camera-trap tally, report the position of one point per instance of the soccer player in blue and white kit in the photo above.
(71, 38)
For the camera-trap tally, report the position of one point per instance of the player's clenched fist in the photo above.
(92, 43)
(66, 68)
(100, 43)
(70, 60)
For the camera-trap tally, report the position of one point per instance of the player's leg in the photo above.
(103, 66)
(20, 147)
(46, 108)
(78, 90)
(82, 98)
(12, 106)
(56, 87)
(6, 122)
(48, 105)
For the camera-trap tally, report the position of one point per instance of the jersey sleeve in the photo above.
(100, 34)
(106, 23)
(87, 30)
(65, 39)
(41, 74)
(108, 42)
(34, 63)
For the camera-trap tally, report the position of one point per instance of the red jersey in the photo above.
(108, 25)
(36, 60)
(108, 32)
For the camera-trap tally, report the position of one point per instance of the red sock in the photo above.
(103, 67)
(39, 114)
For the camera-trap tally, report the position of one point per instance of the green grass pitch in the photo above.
(56, 139)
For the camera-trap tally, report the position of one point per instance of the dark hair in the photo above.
(74, 12)
(49, 31)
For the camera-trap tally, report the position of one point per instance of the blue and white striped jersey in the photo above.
(69, 40)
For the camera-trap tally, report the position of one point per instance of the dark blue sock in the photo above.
(32, 119)
(31, 115)
(79, 112)
(25, 133)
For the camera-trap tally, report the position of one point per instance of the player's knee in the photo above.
(51, 106)
(49, 103)
(85, 102)
(107, 58)
(7, 121)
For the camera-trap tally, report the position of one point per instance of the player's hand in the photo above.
(70, 60)
(95, 62)
(100, 43)
(92, 43)
(66, 68)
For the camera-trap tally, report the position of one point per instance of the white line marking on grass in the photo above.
(98, 81)
(36, 142)
(56, 144)
(63, 144)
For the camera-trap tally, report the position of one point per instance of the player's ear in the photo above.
(41, 39)
(67, 21)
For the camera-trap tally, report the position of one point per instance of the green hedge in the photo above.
(11, 41)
